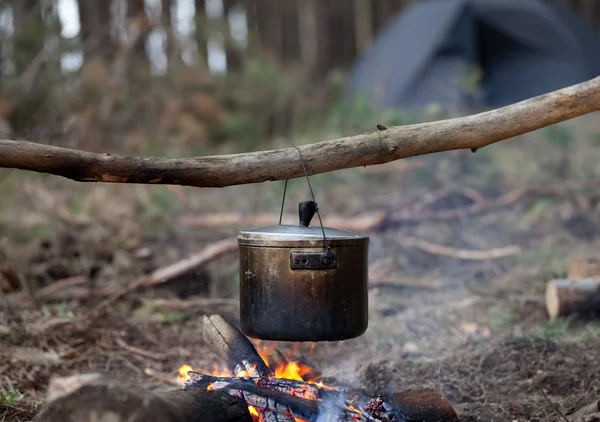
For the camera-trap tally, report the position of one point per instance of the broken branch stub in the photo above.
(377, 147)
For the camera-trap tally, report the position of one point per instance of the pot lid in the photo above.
(300, 235)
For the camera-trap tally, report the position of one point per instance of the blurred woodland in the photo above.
(138, 74)
(461, 244)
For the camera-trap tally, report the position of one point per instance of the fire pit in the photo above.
(256, 385)
(275, 389)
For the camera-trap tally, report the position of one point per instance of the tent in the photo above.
(473, 54)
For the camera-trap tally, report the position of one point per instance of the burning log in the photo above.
(286, 396)
(239, 353)
(276, 359)
(273, 398)
(570, 296)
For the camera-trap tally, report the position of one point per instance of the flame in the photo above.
(183, 374)
(288, 369)
(293, 371)
(254, 413)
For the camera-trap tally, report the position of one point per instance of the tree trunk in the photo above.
(172, 49)
(136, 10)
(95, 18)
(363, 24)
(232, 53)
(200, 35)
(290, 32)
(28, 40)
(308, 33)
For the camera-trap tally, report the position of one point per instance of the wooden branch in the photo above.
(569, 296)
(377, 147)
(186, 265)
(464, 254)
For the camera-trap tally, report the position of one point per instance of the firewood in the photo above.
(111, 400)
(572, 296)
(375, 147)
(464, 254)
(275, 359)
(584, 268)
(233, 347)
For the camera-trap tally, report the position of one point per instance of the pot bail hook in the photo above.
(307, 208)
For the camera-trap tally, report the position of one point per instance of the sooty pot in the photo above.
(301, 283)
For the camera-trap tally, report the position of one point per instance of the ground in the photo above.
(473, 327)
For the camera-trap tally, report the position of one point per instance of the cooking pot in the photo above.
(301, 283)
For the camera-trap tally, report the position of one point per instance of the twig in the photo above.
(474, 131)
(51, 290)
(137, 351)
(554, 406)
(205, 256)
(481, 206)
(465, 254)
(160, 377)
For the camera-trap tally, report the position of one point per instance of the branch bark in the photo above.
(377, 147)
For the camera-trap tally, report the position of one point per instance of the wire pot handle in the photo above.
(328, 253)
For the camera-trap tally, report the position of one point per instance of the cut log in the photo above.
(584, 268)
(568, 296)
(110, 400)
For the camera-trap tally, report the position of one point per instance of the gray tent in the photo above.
(522, 48)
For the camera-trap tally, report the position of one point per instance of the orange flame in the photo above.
(183, 374)
(254, 413)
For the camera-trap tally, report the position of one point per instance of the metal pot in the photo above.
(301, 283)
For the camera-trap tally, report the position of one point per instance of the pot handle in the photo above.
(312, 261)
(306, 212)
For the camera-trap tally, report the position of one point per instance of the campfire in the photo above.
(276, 389)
